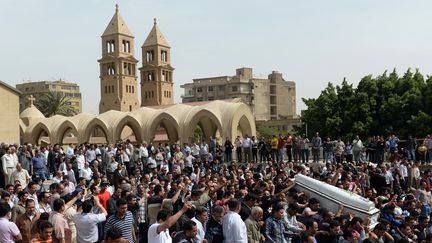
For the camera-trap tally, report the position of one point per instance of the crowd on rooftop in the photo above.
(236, 191)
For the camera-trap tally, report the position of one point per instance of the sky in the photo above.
(311, 42)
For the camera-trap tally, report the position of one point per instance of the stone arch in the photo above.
(65, 126)
(36, 132)
(244, 126)
(91, 126)
(243, 120)
(168, 122)
(133, 123)
(208, 122)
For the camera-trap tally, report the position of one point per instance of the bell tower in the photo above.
(118, 79)
(156, 71)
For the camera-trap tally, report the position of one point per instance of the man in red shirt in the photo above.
(104, 195)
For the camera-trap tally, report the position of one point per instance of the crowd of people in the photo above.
(236, 191)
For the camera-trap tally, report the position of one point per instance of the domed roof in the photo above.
(31, 112)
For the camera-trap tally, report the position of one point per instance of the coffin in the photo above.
(331, 197)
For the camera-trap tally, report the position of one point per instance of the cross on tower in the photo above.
(31, 100)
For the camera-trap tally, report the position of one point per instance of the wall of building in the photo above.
(261, 101)
(9, 116)
(271, 98)
(39, 89)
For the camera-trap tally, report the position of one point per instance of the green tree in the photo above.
(198, 134)
(380, 105)
(266, 132)
(55, 103)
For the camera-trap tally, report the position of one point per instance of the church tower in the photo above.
(118, 79)
(156, 71)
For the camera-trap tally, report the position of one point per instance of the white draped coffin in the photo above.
(331, 197)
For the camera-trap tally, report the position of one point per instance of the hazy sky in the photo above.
(311, 42)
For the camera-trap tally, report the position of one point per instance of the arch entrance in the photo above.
(98, 135)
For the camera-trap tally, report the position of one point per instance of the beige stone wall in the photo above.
(271, 98)
(261, 108)
(9, 116)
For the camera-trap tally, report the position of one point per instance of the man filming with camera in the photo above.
(87, 222)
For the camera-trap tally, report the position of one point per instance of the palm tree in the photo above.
(55, 103)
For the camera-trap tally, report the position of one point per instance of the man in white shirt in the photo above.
(144, 154)
(21, 175)
(204, 150)
(9, 163)
(80, 159)
(290, 219)
(195, 150)
(357, 148)
(86, 172)
(87, 222)
(158, 232)
(233, 227)
(247, 148)
(201, 217)
(70, 151)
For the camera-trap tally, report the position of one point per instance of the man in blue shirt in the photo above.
(38, 162)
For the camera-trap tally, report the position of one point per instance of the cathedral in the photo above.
(118, 69)
(122, 113)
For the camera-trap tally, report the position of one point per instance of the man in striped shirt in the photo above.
(122, 220)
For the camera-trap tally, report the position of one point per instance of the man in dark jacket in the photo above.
(214, 226)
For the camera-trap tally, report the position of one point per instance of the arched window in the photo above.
(164, 56)
(110, 45)
(126, 46)
(150, 56)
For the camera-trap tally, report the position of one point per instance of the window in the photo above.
(110, 45)
(163, 78)
(164, 56)
(150, 56)
(152, 94)
(133, 89)
(150, 76)
(222, 88)
(210, 88)
(111, 69)
(127, 67)
(126, 46)
(112, 88)
(234, 88)
(199, 89)
(272, 89)
(130, 108)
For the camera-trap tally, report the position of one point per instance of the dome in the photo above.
(31, 112)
